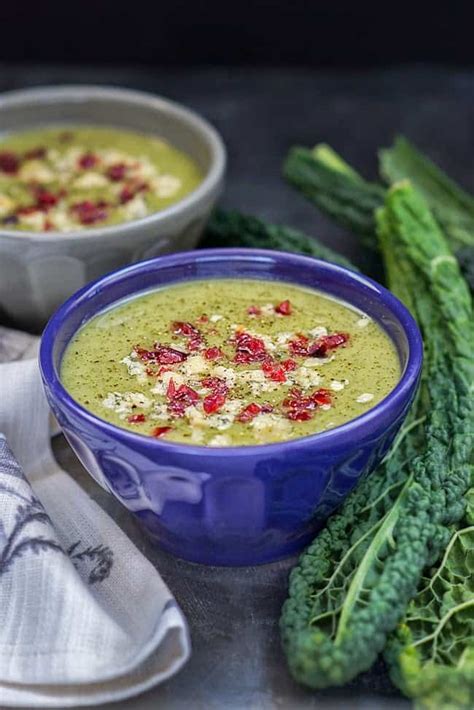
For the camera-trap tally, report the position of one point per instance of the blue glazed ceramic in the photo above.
(232, 506)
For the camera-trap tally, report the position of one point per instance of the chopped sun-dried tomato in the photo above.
(274, 371)
(299, 346)
(213, 353)
(249, 349)
(161, 354)
(214, 401)
(171, 389)
(215, 383)
(254, 310)
(249, 412)
(165, 355)
(46, 199)
(116, 172)
(181, 398)
(189, 331)
(288, 365)
(128, 192)
(322, 396)
(195, 343)
(300, 407)
(88, 160)
(283, 308)
(183, 328)
(186, 394)
(9, 162)
(161, 431)
(35, 153)
(29, 209)
(136, 419)
(327, 342)
(88, 213)
(299, 415)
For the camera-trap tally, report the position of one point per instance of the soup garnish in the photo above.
(64, 179)
(238, 362)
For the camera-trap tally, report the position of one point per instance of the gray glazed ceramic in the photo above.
(39, 271)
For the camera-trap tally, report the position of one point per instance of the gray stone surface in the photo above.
(233, 613)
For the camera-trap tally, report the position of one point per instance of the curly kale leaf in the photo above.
(327, 181)
(431, 655)
(451, 205)
(354, 582)
(340, 192)
(232, 229)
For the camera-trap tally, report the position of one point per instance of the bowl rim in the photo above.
(348, 431)
(82, 92)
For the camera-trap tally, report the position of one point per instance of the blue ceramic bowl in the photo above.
(240, 505)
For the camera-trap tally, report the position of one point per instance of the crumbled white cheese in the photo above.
(305, 377)
(257, 381)
(215, 318)
(325, 360)
(365, 397)
(226, 374)
(160, 411)
(225, 417)
(68, 161)
(220, 440)
(284, 338)
(35, 171)
(337, 385)
(34, 220)
(53, 155)
(325, 407)
(268, 309)
(6, 205)
(90, 181)
(197, 436)
(318, 332)
(196, 416)
(135, 208)
(165, 185)
(312, 362)
(62, 221)
(363, 322)
(143, 170)
(251, 376)
(122, 404)
(221, 420)
(193, 365)
(270, 423)
(135, 367)
(111, 157)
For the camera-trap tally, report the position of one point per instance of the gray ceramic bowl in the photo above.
(38, 271)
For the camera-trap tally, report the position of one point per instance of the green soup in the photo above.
(64, 179)
(230, 363)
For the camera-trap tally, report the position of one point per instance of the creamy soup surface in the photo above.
(230, 363)
(69, 178)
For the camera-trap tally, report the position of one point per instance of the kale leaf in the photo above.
(354, 582)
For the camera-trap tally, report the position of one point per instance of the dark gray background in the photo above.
(233, 613)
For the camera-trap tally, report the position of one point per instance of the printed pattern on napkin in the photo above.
(84, 617)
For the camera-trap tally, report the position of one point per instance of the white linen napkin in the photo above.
(84, 617)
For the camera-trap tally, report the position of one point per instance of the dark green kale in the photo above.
(337, 190)
(232, 229)
(354, 583)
